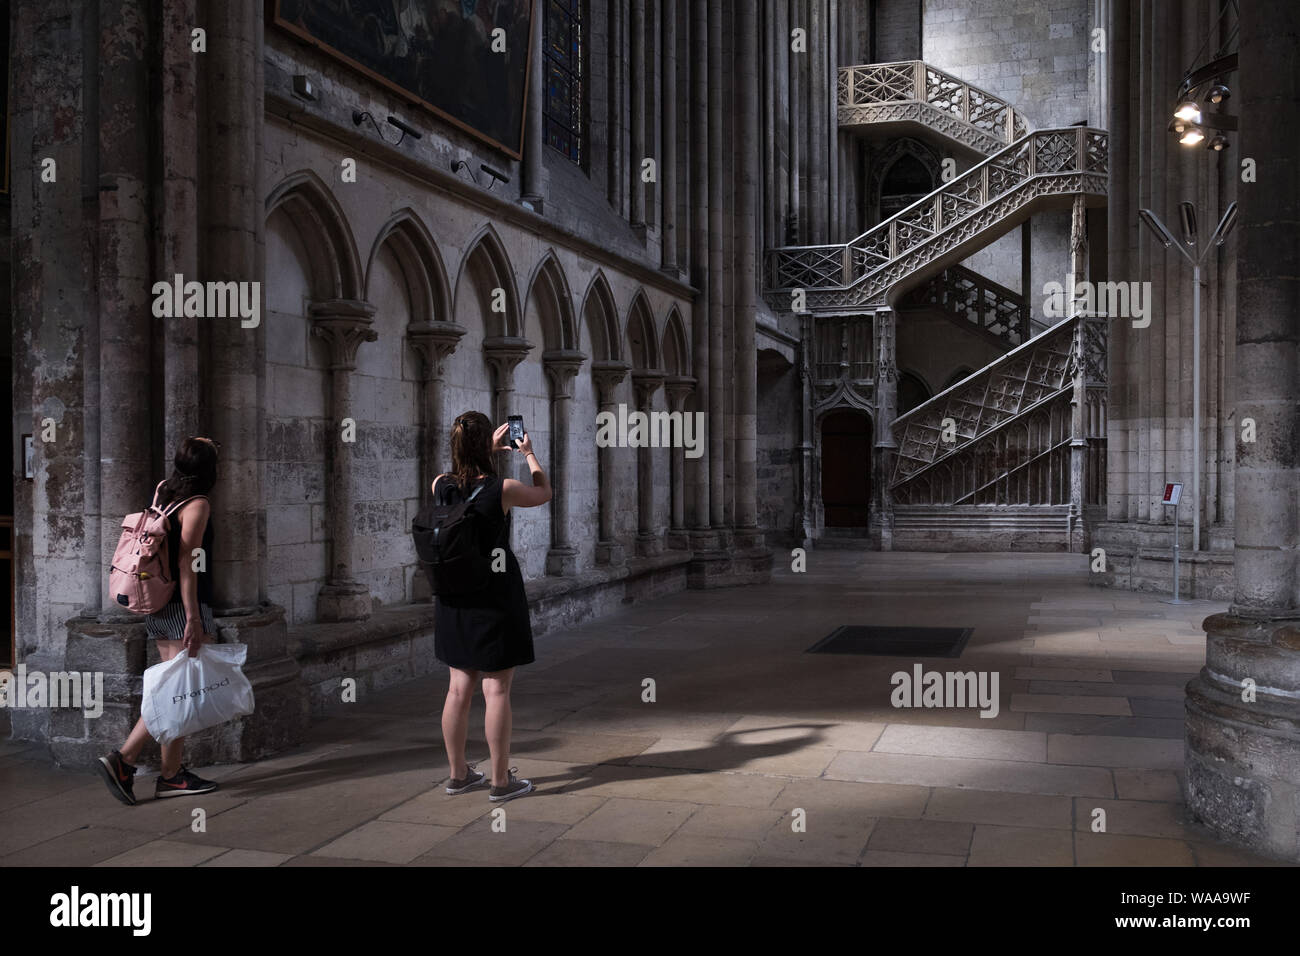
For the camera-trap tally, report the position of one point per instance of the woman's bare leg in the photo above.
(135, 741)
(455, 719)
(496, 693)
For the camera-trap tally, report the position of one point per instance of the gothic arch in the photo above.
(486, 267)
(318, 218)
(642, 342)
(600, 317)
(422, 268)
(675, 350)
(884, 160)
(550, 289)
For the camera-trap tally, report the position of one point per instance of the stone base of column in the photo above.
(562, 561)
(704, 539)
(347, 601)
(113, 644)
(532, 202)
(282, 712)
(1242, 756)
(747, 539)
(880, 529)
(648, 544)
(119, 649)
(678, 539)
(610, 553)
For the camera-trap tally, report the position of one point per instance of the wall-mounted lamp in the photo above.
(359, 116)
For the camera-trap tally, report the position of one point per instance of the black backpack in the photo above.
(448, 546)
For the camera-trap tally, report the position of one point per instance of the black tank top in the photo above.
(496, 525)
(174, 550)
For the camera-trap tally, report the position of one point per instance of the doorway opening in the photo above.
(846, 468)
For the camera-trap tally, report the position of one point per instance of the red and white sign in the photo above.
(1173, 491)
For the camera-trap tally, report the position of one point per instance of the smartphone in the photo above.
(516, 433)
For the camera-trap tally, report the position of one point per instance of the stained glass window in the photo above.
(562, 73)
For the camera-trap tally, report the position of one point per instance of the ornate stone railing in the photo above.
(970, 297)
(941, 226)
(1003, 435)
(912, 91)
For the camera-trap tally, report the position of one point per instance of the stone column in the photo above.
(1243, 709)
(702, 165)
(717, 208)
(648, 543)
(1079, 398)
(344, 324)
(180, 169)
(747, 231)
(503, 354)
(608, 376)
(434, 342)
(233, 213)
(678, 388)
(233, 249)
(561, 368)
(882, 516)
(534, 143)
(637, 41)
(668, 158)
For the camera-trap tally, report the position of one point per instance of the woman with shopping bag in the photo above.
(184, 623)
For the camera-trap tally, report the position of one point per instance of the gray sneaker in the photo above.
(515, 788)
(472, 779)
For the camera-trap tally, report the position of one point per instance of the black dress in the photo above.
(489, 631)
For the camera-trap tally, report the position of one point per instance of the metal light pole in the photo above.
(1188, 214)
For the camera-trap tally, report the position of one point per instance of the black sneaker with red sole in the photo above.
(184, 784)
(119, 775)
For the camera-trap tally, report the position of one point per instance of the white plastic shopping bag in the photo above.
(187, 694)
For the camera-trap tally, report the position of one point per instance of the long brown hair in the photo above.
(194, 471)
(471, 448)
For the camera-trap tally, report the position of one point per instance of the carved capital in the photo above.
(344, 324)
(608, 376)
(645, 382)
(561, 366)
(677, 388)
(503, 353)
(434, 342)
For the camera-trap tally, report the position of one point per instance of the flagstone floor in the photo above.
(747, 734)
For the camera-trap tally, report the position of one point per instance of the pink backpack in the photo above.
(140, 578)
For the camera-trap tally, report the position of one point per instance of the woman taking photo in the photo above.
(185, 623)
(487, 634)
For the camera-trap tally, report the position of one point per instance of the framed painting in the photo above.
(466, 61)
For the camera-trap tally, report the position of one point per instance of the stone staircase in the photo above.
(1009, 457)
(913, 98)
(1013, 456)
(1043, 169)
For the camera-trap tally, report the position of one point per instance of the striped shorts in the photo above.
(169, 623)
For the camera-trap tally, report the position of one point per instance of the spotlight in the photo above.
(1187, 215)
(1218, 93)
(1189, 110)
(1192, 136)
(1177, 126)
(1156, 226)
(1217, 143)
(1225, 225)
(406, 130)
(496, 174)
